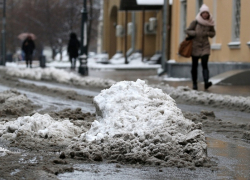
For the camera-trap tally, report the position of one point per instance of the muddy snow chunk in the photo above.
(246, 135)
(41, 126)
(136, 123)
(4, 152)
(14, 104)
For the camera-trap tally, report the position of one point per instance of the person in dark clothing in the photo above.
(28, 47)
(201, 29)
(73, 48)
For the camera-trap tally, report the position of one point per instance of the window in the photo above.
(198, 5)
(235, 43)
(214, 45)
(183, 21)
(236, 20)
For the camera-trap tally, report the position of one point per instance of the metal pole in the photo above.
(83, 58)
(125, 36)
(164, 34)
(84, 32)
(133, 32)
(3, 34)
(142, 41)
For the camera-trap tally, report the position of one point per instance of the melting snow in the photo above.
(42, 126)
(58, 75)
(141, 122)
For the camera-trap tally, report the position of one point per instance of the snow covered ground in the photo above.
(185, 93)
(96, 61)
(41, 126)
(144, 120)
(59, 75)
(133, 120)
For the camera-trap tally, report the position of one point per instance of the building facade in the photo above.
(231, 43)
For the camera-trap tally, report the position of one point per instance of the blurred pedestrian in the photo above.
(73, 48)
(201, 29)
(28, 47)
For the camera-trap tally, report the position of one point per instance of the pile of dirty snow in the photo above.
(58, 75)
(13, 97)
(139, 124)
(40, 126)
(14, 104)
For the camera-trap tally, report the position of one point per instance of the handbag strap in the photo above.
(190, 37)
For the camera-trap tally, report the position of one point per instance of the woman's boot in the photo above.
(194, 79)
(207, 83)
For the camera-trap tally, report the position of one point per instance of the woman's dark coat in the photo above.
(73, 46)
(28, 46)
(200, 34)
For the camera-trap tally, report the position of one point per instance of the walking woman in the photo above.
(201, 29)
(28, 47)
(73, 48)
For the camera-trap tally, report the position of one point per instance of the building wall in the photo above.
(222, 10)
(109, 39)
(175, 26)
(151, 41)
(158, 40)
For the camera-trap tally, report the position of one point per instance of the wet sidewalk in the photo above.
(217, 89)
(152, 78)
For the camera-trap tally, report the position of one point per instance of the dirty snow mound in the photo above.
(12, 96)
(59, 75)
(41, 126)
(139, 124)
(15, 104)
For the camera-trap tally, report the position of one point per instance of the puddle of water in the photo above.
(62, 86)
(57, 103)
(233, 159)
(112, 172)
(3, 88)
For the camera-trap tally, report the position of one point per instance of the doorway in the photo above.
(112, 31)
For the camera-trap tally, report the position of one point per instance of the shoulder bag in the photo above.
(185, 48)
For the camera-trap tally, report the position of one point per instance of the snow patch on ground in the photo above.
(58, 75)
(217, 100)
(3, 152)
(41, 126)
(138, 123)
(14, 104)
(6, 152)
(13, 97)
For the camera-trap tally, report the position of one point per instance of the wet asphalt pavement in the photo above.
(152, 78)
(233, 157)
